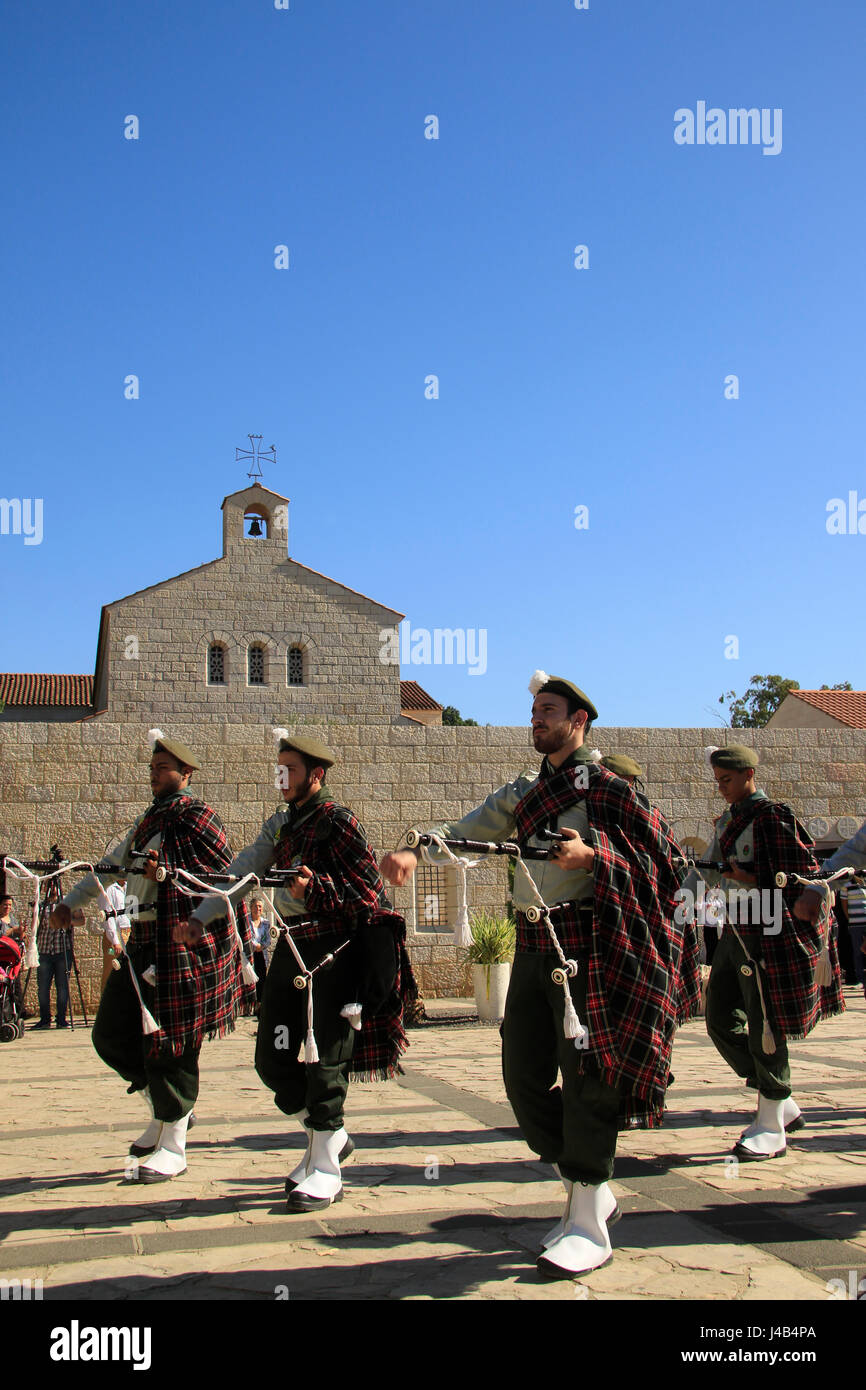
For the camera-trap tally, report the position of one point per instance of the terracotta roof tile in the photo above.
(46, 690)
(412, 696)
(848, 706)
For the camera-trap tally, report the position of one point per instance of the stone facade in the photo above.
(80, 784)
(153, 646)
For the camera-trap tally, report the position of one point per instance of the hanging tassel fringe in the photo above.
(463, 929)
(353, 1013)
(311, 1051)
(572, 1026)
(824, 970)
(149, 975)
(31, 957)
(249, 973)
(768, 1042)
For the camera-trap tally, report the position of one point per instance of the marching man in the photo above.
(633, 983)
(335, 895)
(179, 996)
(765, 985)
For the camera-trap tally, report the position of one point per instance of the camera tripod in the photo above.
(51, 896)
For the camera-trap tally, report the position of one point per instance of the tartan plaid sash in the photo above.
(199, 992)
(333, 844)
(789, 957)
(641, 964)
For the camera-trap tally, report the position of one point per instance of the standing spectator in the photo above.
(55, 946)
(855, 902)
(261, 928)
(8, 921)
(116, 894)
(10, 926)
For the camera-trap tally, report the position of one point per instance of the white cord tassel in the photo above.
(311, 1051)
(353, 1013)
(463, 927)
(571, 1025)
(768, 1042)
(823, 968)
(248, 972)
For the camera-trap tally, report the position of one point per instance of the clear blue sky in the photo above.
(602, 387)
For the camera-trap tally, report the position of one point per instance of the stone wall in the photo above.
(79, 785)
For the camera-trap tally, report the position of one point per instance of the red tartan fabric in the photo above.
(789, 958)
(199, 992)
(642, 964)
(347, 894)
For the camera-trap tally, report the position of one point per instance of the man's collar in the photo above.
(299, 813)
(580, 755)
(167, 799)
(757, 795)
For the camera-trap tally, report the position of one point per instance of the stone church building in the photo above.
(219, 654)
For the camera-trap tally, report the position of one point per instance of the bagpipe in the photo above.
(416, 840)
(681, 861)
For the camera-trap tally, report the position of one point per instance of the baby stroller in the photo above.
(11, 1026)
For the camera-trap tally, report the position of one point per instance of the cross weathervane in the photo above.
(256, 453)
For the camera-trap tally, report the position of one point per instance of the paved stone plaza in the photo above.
(442, 1199)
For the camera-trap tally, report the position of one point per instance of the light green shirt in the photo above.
(744, 852)
(257, 859)
(140, 891)
(494, 820)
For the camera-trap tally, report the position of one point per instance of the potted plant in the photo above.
(490, 955)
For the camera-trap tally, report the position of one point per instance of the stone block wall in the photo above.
(81, 784)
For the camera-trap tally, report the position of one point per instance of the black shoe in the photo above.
(60, 1025)
(43, 1023)
(299, 1201)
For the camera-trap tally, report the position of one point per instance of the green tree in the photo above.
(450, 715)
(759, 703)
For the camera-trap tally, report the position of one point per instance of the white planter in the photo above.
(491, 986)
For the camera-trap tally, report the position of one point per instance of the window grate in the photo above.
(435, 899)
(256, 666)
(216, 665)
(295, 666)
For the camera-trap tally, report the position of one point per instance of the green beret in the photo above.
(311, 748)
(557, 685)
(621, 765)
(736, 757)
(177, 750)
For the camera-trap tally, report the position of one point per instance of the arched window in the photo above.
(256, 664)
(295, 666)
(216, 664)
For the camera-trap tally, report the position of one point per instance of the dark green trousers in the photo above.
(735, 1021)
(573, 1124)
(320, 1087)
(117, 1037)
